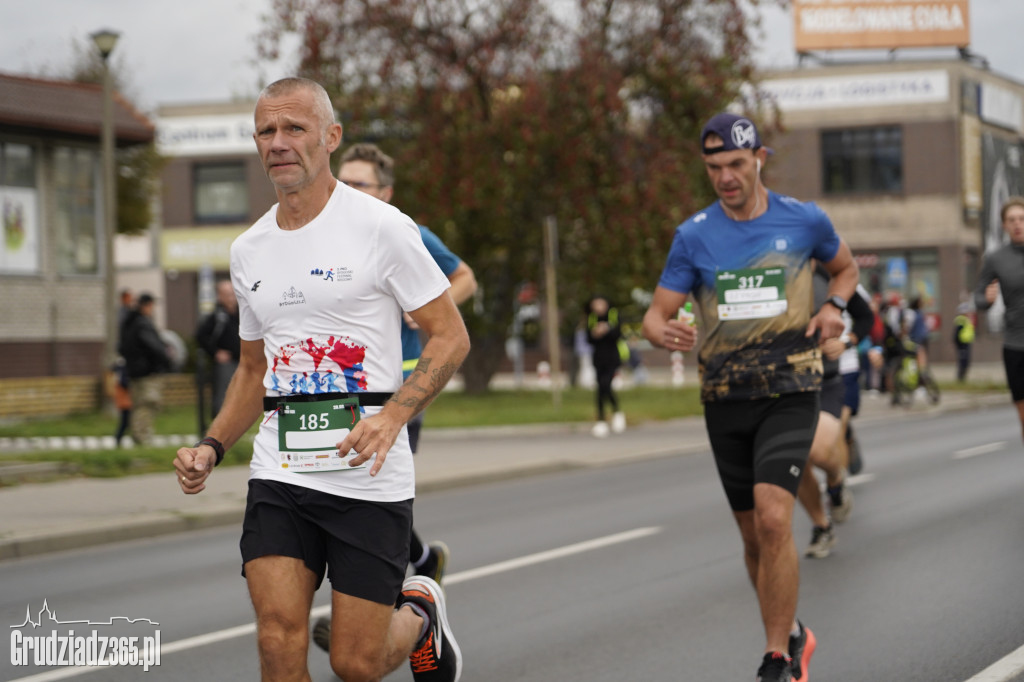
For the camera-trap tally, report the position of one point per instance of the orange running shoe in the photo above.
(437, 657)
(801, 649)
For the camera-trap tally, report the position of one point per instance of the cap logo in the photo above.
(744, 134)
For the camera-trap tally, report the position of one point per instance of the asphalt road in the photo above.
(626, 573)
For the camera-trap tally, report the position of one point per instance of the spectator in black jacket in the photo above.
(146, 358)
(218, 336)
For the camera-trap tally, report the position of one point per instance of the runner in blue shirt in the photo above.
(746, 262)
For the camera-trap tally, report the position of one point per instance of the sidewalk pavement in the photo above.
(44, 517)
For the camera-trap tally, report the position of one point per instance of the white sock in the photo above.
(424, 557)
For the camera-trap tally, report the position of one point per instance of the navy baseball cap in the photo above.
(737, 132)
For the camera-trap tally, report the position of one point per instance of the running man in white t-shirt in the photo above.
(322, 280)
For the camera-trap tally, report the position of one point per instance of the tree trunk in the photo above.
(482, 363)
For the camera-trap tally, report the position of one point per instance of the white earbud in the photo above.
(758, 166)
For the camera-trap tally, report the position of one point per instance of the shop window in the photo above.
(19, 215)
(862, 160)
(17, 165)
(221, 193)
(77, 219)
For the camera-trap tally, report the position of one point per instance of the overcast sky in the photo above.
(188, 51)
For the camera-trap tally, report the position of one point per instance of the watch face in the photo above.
(838, 302)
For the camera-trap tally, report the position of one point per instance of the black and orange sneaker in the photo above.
(436, 657)
(801, 649)
(776, 667)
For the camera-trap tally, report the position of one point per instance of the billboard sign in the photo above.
(889, 24)
(190, 249)
(900, 88)
(199, 135)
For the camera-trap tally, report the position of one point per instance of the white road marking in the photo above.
(979, 450)
(1002, 670)
(859, 479)
(452, 579)
(550, 555)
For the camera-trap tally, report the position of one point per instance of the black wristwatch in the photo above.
(838, 302)
(217, 446)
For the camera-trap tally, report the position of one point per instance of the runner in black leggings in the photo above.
(605, 336)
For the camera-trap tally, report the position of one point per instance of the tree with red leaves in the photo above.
(502, 112)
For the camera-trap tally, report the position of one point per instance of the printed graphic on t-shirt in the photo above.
(752, 283)
(319, 365)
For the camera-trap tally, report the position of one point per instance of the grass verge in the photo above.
(450, 410)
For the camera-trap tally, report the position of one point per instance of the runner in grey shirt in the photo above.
(1003, 270)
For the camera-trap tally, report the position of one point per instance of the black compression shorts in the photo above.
(833, 394)
(761, 441)
(1013, 360)
(363, 545)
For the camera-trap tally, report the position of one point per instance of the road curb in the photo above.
(134, 529)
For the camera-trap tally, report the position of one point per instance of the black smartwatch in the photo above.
(838, 302)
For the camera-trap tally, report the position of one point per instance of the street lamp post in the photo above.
(105, 40)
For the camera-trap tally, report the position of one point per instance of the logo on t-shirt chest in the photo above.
(338, 273)
(292, 296)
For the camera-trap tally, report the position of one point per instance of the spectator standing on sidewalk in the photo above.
(963, 339)
(146, 359)
(1003, 272)
(121, 394)
(218, 336)
(125, 308)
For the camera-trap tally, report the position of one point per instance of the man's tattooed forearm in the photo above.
(437, 379)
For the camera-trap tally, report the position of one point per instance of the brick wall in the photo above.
(60, 396)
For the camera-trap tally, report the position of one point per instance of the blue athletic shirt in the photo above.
(739, 270)
(448, 262)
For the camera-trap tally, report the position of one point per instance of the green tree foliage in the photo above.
(502, 112)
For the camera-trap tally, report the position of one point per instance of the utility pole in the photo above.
(551, 287)
(105, 41)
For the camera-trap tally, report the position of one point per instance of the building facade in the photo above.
(52, 265)
(912, 161)
(214, 188)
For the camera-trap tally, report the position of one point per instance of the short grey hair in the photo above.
(324, 108)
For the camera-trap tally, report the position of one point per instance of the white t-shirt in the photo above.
(327, 301)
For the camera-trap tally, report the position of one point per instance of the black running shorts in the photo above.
(851, 397)
(833, 394)
(761, 441)
(364, 546)
(1013, 360)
